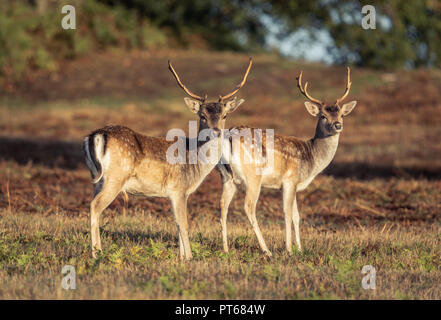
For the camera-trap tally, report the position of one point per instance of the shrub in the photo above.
(35, 40)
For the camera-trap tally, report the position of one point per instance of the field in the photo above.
(379, 202)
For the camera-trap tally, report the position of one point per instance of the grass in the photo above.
(140, 261)
(140, 250)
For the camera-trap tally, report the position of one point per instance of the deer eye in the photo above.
(203, 119)
(323, 117)
(224, 117)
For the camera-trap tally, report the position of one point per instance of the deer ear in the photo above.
(312, 108)
(348, 107)
(233, 104)
(193, 105)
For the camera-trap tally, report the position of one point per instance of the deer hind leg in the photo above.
(252, 195)
(179, 205)
(296, 221)
(125, 202)
(104, 194)
(288, 199)
(228, 191)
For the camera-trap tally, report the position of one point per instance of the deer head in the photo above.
(212, 115)
(330, 116)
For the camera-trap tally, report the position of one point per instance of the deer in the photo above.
(121, 160)
(295, 164)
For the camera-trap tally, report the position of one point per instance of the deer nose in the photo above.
(215, 132)
(337, 125)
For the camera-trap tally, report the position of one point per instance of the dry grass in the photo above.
(379, 204)
(139, 260)
(392, 225)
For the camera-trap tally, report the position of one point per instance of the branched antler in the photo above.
(221, 98)
(187, 91)
(240, 85)
(348, 87)
(304, 90)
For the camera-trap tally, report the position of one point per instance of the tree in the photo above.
(224, 24)
(408, 33)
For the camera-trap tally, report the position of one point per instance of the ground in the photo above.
(379, 202)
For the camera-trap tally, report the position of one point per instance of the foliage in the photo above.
(407, 32)
(30, 39)
(223, 24)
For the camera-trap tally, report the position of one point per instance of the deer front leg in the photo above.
(125, 202)
(179, 205)
(252, 195)
(228, 191)
(296, 221)
(288, 198)
(181, 247)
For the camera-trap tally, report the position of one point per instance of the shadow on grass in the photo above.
(69, 155)
(142, 237)
(368, 171)
(49, 153)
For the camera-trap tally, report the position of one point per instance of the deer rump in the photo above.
(94, 147)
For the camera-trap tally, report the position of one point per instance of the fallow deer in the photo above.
(123, 161)
(295, 164)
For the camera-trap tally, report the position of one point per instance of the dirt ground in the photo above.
(378, 203)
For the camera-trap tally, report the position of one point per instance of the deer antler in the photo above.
(304, 90)
(240, 85)
(191, 94)
(348, 87)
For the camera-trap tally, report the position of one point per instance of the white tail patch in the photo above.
(98, 143)
(89, 161)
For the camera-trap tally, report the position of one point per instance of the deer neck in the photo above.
(208, 155)
(324, 147)
(211, 147)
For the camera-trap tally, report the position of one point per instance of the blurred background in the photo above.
(380, 195)
(406, 34)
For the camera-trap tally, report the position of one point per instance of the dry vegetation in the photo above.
(379, 203)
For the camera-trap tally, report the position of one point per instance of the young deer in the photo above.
(295, 164)
(124, 161)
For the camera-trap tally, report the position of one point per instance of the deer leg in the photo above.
(184, 233)
(252, 195)
(125, 202)
(288, 198)
(104, 195)
(179, 205)
(181, 247)
(228, 191)
(296, 220)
